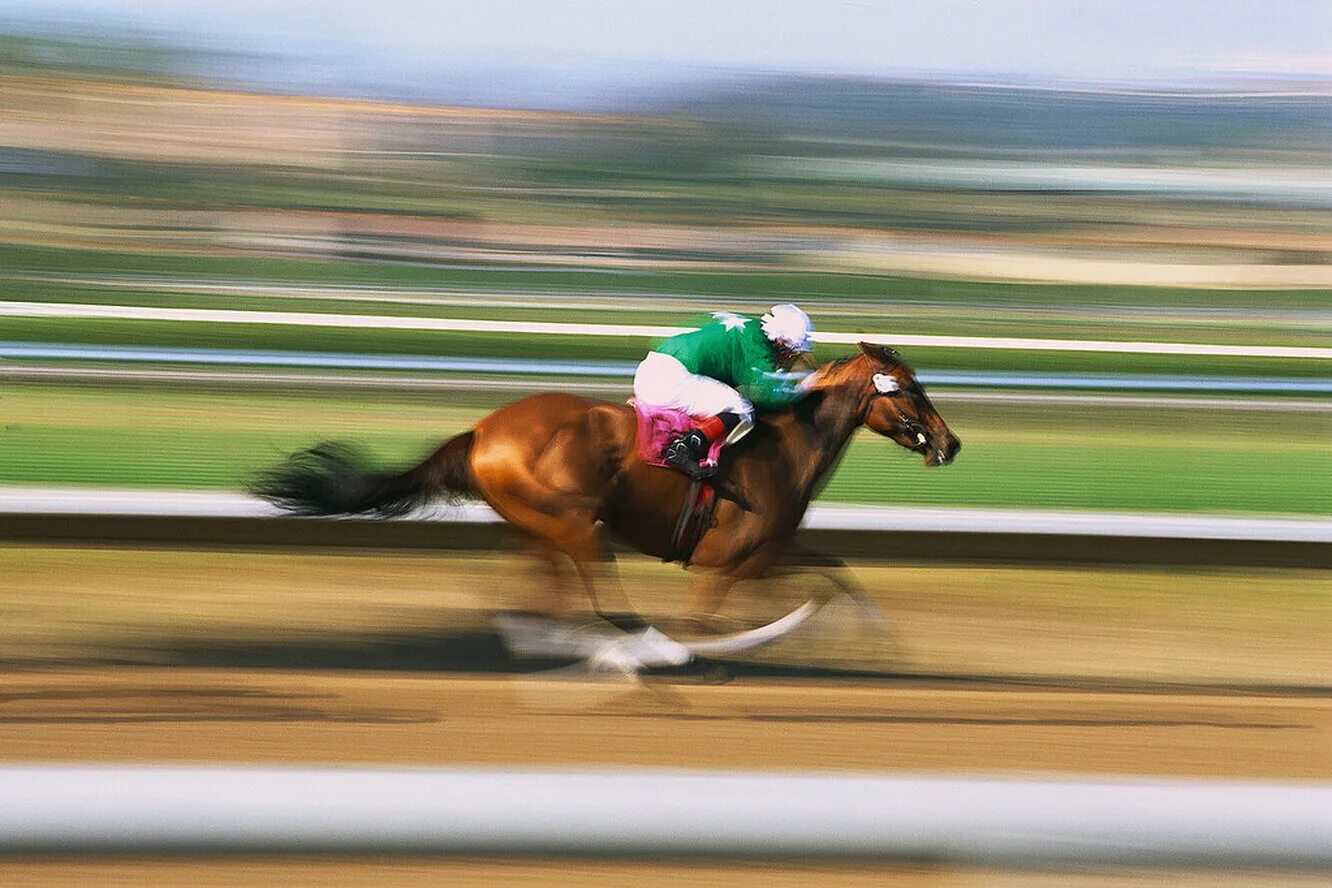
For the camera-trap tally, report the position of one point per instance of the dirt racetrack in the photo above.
(111, 655)
(264, 716)
(175, 715)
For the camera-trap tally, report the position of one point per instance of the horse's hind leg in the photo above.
(574, 533)
(545, 595)
(595, 563)
(639, 646)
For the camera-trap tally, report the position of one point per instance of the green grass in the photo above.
(1061, 460)
(211, 440)
(1081, 457)
(937, 307)
(955, 320)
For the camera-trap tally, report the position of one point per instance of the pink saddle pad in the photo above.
(658, 427)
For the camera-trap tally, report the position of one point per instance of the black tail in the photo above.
(333, 479)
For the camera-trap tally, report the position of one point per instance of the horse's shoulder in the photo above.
(778, 424)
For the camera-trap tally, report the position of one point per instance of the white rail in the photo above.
(192, 504)
(397, 322)
(664, 813)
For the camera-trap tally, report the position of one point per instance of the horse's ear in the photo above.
(880, 352)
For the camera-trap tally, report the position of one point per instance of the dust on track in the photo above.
(330, 717)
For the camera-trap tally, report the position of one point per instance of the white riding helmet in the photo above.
(788, 325)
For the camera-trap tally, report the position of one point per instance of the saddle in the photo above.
(657, 428)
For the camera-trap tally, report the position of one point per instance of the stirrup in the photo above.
(692, 469)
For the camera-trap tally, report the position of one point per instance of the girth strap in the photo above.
(695, 515)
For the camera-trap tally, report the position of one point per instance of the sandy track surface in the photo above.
(174, 715)
(412, 611)
(262, 716)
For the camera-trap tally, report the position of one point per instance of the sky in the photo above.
(1106, 40)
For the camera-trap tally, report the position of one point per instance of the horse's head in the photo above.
(893, 403)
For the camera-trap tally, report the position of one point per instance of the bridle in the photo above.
(886, 384)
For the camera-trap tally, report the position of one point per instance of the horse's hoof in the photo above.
(649, 649)
(658, 649)
(615, 659)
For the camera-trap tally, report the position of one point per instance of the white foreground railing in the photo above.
(727, 814)
(822, 516)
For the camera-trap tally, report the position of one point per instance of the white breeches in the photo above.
(662, 381)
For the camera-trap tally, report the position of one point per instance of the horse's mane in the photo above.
(805, 407)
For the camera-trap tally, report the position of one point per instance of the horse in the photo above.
(561, 468)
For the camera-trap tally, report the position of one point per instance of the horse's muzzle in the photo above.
(941, 453)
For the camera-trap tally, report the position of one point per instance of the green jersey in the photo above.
(731, 348)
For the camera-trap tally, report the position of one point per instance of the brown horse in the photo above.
(559, 467)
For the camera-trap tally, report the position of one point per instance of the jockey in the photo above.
(719, 373)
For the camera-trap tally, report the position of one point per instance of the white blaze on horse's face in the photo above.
(887, 385)
(906, 416)
(892, 419)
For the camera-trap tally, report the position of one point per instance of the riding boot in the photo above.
(689, 452)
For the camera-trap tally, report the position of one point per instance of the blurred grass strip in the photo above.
(1166, 324)
(1094, 457)
(536, 347)
(747, 283)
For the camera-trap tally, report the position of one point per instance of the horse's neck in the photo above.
(826, 428)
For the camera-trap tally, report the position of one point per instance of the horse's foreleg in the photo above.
(707, 592)
(838, 573)
(704, 599)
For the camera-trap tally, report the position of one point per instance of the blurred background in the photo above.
(196, 199)
(425, 161)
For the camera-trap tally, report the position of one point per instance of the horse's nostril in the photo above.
(946, 453)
